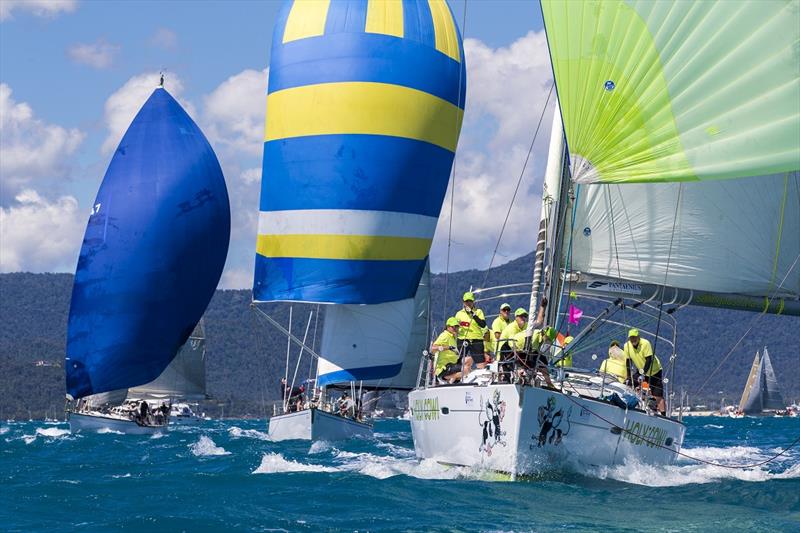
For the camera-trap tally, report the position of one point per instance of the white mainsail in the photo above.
(379, 345)
(735, 236)
(185, 377)
(764, 393)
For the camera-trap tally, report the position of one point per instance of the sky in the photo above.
(74, 73)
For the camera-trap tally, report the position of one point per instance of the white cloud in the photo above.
(506, 90)
(38, 235)
(29, 147)
(234, 112)
(236, 278)
(97, 55)
(164, 38)
(251, 175)
(40, 8)
(122, 106)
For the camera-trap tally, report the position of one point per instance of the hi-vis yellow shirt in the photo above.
(639, 356)
(498, 326)
(615, 367)
(469, 329)
(510, 332)
(445, 357)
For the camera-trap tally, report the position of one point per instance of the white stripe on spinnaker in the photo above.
(346, 222)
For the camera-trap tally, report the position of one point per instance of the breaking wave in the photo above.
(109, 431)
(52, 432)
(237, 432)
(274, 463)
(205, 447)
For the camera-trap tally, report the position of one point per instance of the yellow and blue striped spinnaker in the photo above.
(364, 109)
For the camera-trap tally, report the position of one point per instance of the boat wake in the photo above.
(687, 472)
(205, 447)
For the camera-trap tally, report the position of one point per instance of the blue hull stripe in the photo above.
(334, 280)
(359, 374)
(364, 172)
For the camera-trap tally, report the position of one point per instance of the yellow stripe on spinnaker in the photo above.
(306, 19)
(362, 108)
(385, 16)
(354, 247)
(444, 29)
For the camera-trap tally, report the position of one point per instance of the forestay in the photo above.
(677, 91)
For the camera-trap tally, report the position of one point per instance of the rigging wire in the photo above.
(666, 270)
(682, 454)
(453, 173)
(750, 327)
(519, 181)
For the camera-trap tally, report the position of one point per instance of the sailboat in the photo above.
(761, 393)
(151, 258)
(672, 180)
(388, 398)
(182, 383)
(364, 110)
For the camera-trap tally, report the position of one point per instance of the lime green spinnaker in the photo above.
(677, 91)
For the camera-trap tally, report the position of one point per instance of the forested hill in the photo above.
(246, 356)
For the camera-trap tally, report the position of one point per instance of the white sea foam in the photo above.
(29, 438)
(4, 430)
(237, 432)
(205, 447)
(157, 435)
(120, 476)
(382, 467)
(320, 446)
(52, 432)
(712, 426)
(728, 463)
(109, 431)
(274, 463)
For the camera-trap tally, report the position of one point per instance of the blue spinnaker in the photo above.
(152, 254)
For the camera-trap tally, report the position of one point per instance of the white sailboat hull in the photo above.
(527, 430)
(313, 424)
(85, 422)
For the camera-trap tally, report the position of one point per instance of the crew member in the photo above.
(499, 324)
(447, 365)
(645, 361)
(617, 364)
(471, 331)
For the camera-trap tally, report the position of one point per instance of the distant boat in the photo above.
(364, 114)
(151, 258)
(761, 394)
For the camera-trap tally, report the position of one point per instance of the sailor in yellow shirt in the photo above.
(641, 355)
(471, 331)
(447, 365)
(499, 324)
(617, 364)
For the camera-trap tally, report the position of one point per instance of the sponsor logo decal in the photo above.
(490, 420)
(613, 286)
(644, 434)
(426, 409)
(553, 424)
(468, 398)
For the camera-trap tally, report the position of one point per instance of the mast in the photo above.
(552, 181)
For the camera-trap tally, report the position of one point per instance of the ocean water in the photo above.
(227, 475)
